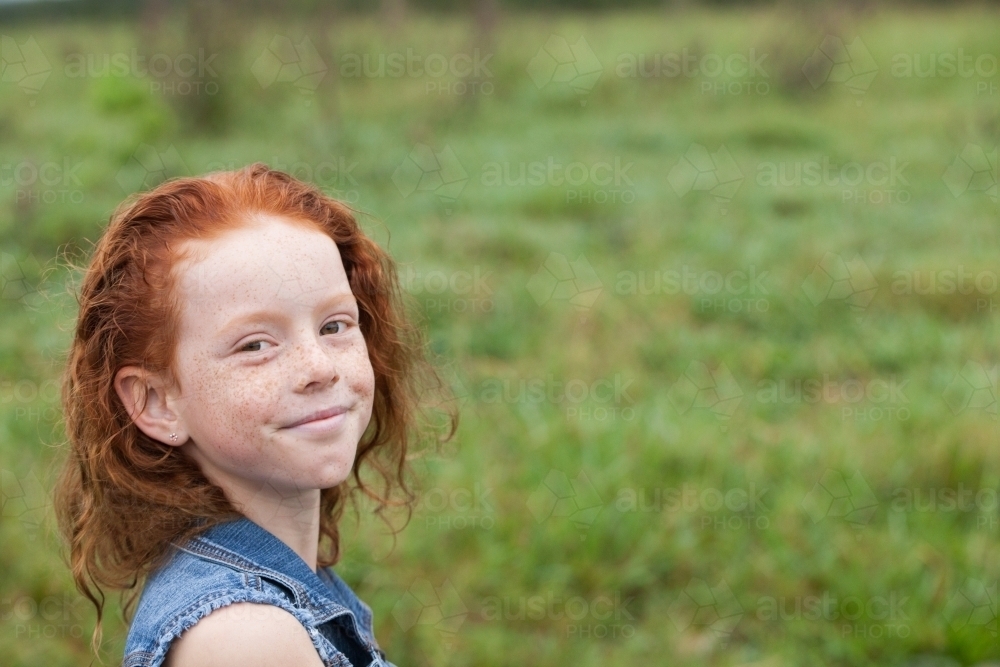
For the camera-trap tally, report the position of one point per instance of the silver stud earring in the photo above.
(173, 436)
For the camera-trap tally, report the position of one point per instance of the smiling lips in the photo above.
(322, 420)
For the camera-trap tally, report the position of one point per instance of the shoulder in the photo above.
(244, 634)
(188, 590)
(181, 584)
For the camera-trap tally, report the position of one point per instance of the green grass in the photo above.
(654, 477)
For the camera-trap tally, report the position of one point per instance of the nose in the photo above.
(315, 364)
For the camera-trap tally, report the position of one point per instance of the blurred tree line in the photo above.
(392, 9)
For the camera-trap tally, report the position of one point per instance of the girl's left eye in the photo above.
(339, 325)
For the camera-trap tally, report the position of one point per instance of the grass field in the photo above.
(724, 332)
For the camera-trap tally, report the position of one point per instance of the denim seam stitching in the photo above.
(208, 549)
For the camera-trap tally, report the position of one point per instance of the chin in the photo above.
(337, 470)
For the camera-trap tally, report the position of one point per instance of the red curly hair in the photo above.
(122, 497)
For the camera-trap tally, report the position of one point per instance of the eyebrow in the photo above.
(271, 315)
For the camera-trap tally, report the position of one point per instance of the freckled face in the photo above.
(276, 382)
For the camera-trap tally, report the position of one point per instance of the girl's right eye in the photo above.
(253, 346)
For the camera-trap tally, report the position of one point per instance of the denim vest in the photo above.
(239, 561)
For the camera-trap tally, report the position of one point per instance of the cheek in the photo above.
(225, 403)
(359, 374)
(232, 416)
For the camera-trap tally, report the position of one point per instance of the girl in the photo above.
(241, 361)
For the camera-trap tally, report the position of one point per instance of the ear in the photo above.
(150, 405)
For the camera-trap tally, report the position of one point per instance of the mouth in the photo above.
(323, 420)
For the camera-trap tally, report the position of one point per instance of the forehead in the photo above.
(267, 262)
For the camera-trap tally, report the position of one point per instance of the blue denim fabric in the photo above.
(239, 561)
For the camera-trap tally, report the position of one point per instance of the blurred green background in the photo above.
(716, 288)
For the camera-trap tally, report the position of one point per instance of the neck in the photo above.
(290, 514)
(292, 519)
